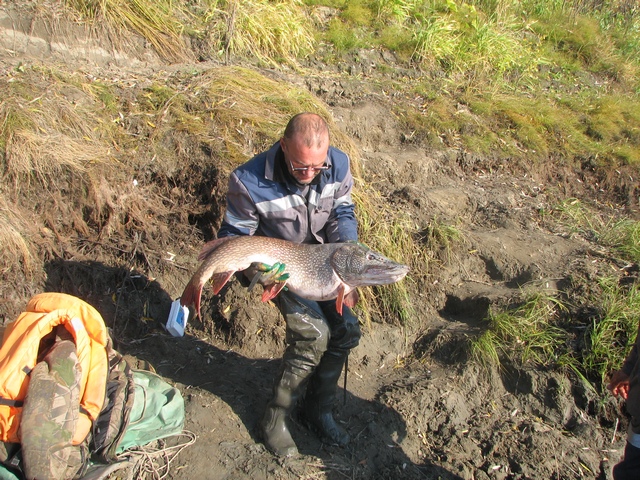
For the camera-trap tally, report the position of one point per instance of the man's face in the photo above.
(304, 162)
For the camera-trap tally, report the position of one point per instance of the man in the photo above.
(300, 190)
(626, 384)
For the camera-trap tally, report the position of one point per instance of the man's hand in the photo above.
(268, 274)
(619, 384)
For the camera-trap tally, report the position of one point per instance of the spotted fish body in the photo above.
(316, 272)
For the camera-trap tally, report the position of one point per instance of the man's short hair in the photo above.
(309, 128)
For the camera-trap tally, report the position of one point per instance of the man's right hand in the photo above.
(619, 384)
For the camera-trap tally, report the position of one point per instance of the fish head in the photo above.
(357, 265)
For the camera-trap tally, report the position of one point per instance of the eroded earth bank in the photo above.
(417, 407)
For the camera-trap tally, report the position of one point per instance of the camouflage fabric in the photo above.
(50, 415)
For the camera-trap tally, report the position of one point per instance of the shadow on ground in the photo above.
(209, 373)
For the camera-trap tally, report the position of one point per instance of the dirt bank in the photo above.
(415, 406)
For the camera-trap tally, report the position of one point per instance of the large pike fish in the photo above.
(315, 272)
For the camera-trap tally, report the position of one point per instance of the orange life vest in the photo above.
(19, 352)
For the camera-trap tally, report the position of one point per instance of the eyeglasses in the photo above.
(319, 169)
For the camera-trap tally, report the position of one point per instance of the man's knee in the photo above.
(307, 332)
(308, 328)
(345, 331)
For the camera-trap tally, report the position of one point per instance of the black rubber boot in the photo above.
(275, 432)
(321, 396)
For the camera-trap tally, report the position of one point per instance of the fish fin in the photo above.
(340, 299)
(191, 296)
(272, 290)
(219, 280)
(209, 247)
(349, 299)
(352, 298)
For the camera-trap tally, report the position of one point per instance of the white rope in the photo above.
(152, 461)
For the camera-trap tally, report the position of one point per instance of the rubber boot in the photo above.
(321, 396)
(275, 431)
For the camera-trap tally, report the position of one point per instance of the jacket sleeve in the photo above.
(241, 216)
(342, 225)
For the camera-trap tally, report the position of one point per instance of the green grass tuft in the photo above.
(525, 334)
(613, 331)
(622, 235)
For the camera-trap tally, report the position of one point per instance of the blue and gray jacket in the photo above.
(264, 199)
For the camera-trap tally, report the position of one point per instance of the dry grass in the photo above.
(393, 235)
(249, 111)
(160, 22)
(48, 126)
(29, 154)
(273, 32)
(15, 254)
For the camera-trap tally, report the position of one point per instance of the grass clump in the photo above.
(624, 236)
(273, 32)
(43, 133)
(441, 238)
(533, 127)
(457, 38)
(161, 22)
(612, 332)
(16, 254)
(527, 333)
(382, 229)
(592, 339)
(621, 235)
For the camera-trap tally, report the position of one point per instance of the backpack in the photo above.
(66, 396)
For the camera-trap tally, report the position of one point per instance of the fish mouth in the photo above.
(381, 275)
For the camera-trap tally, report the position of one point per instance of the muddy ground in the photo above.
(415, 406)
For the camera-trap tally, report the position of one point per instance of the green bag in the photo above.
(157, 411)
